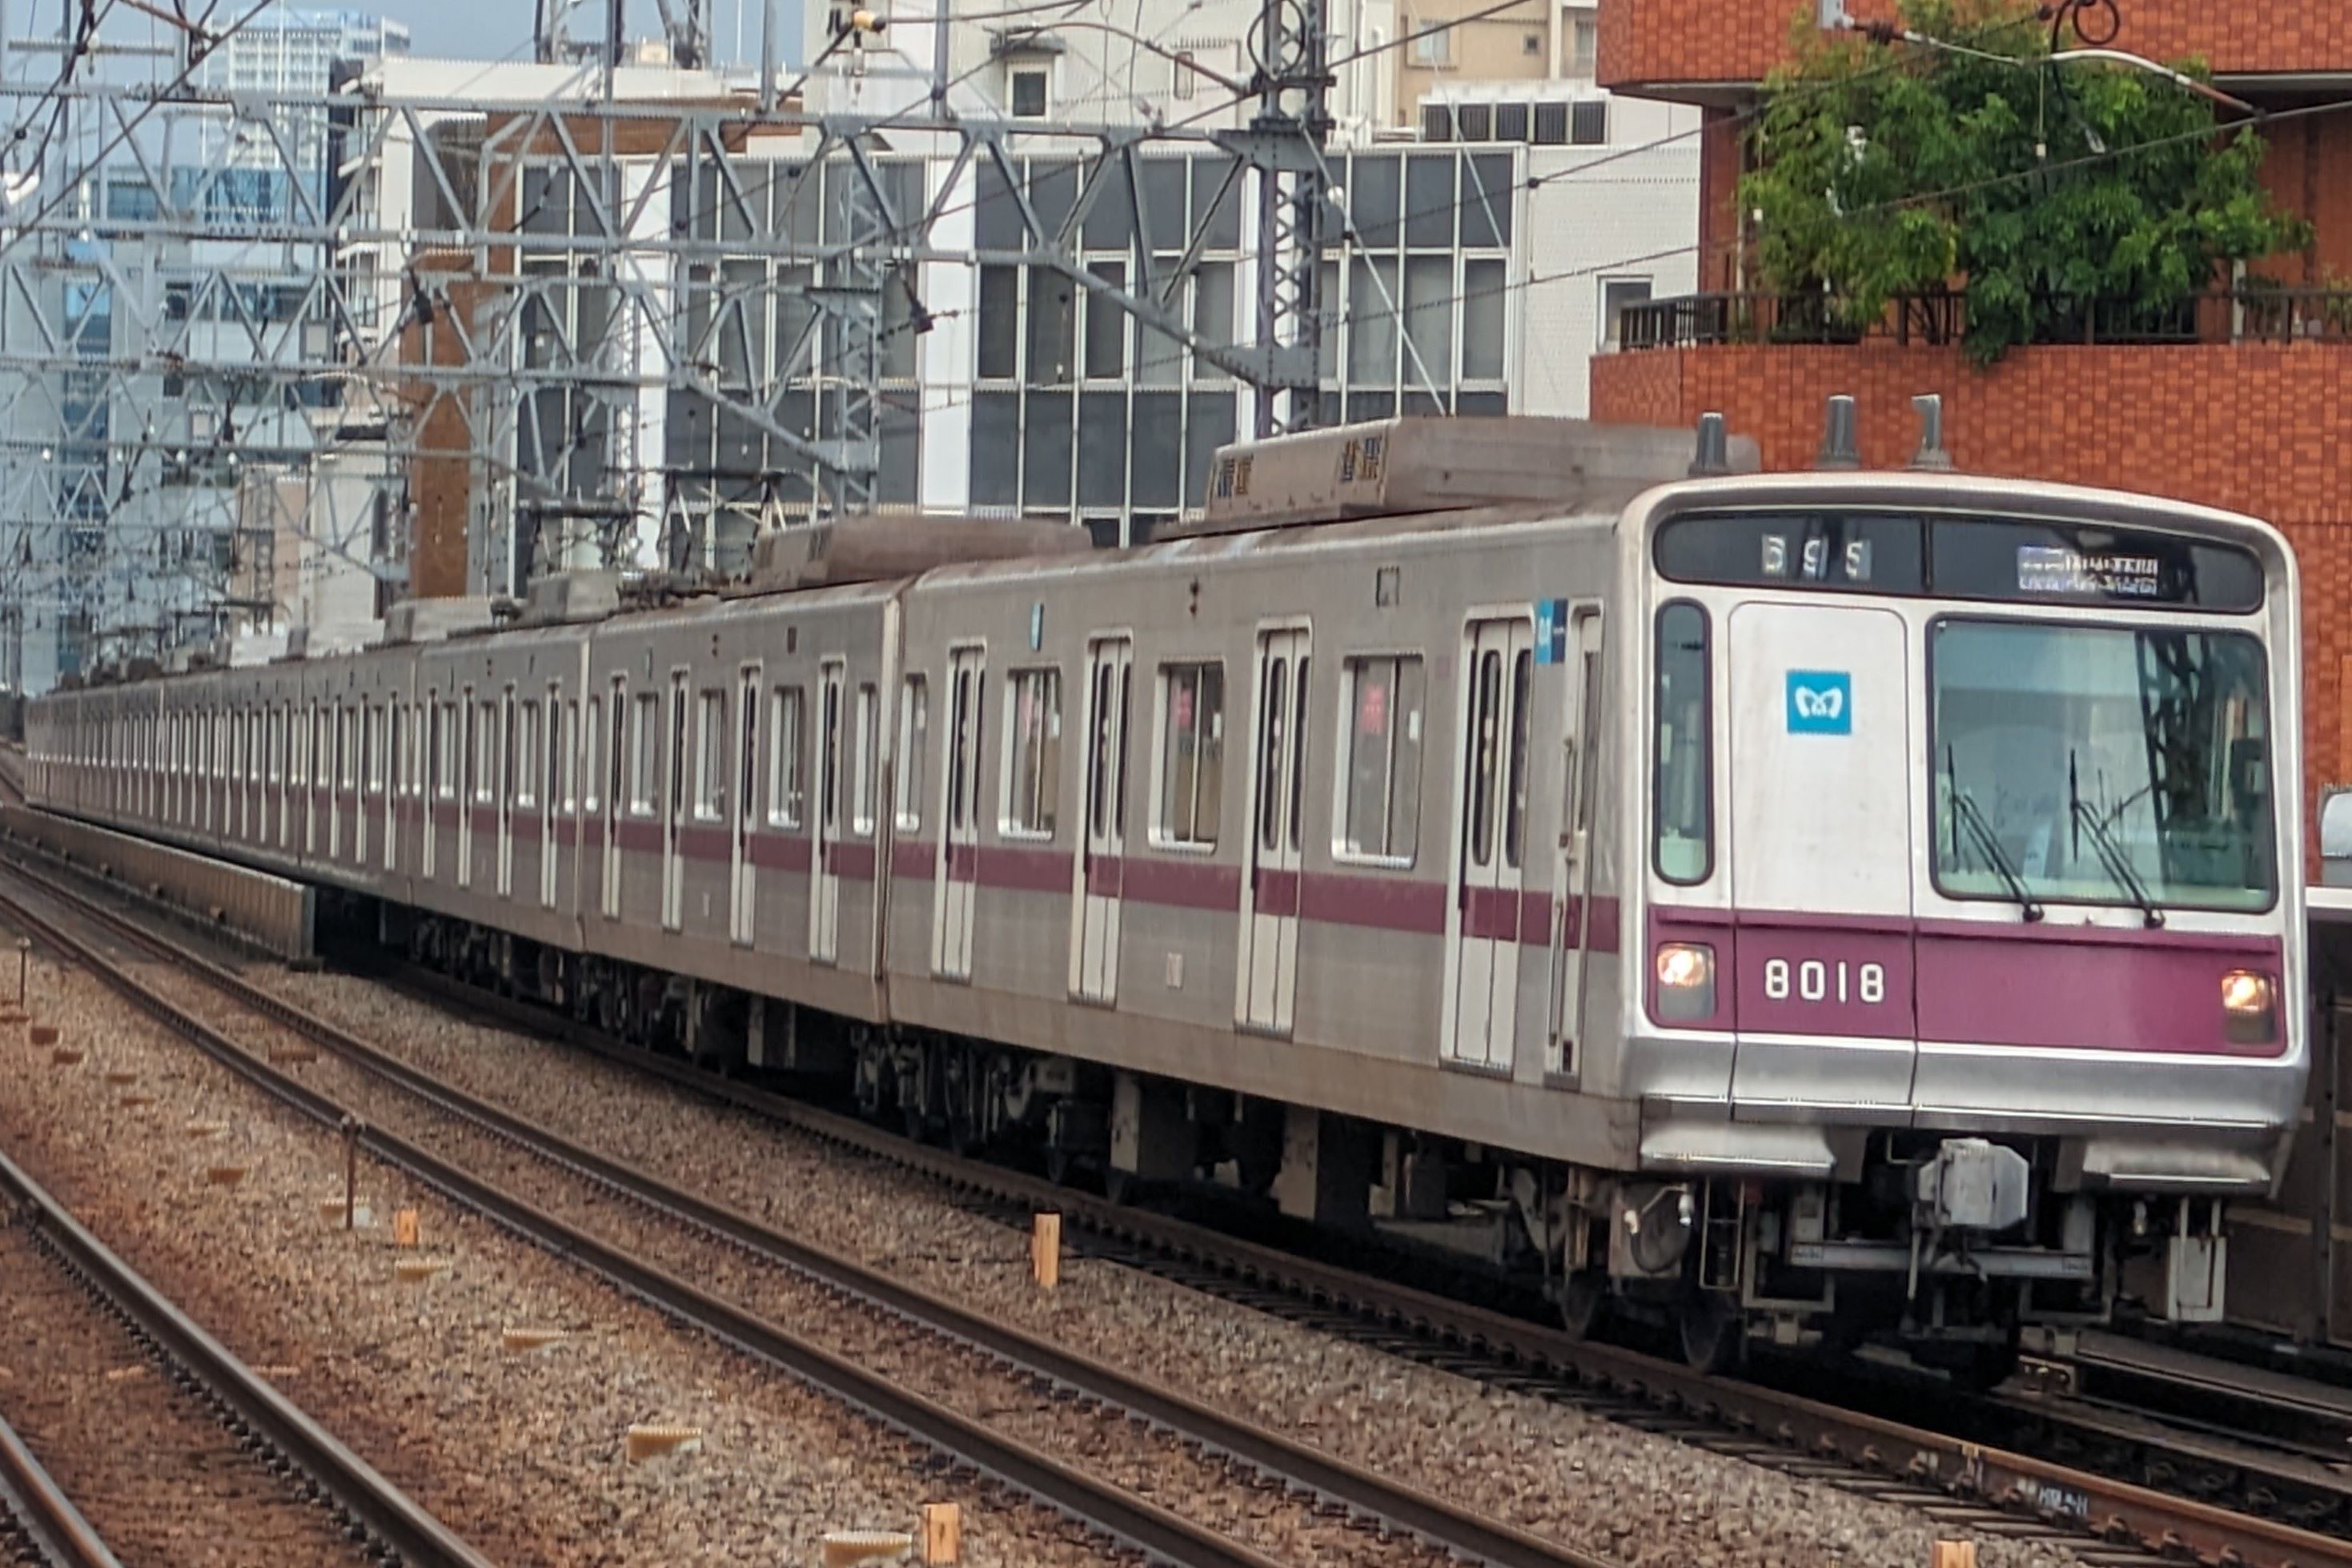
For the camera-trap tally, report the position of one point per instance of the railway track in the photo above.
(167, 1419)
(2066, 1488)
(575, 1201)
(38, 1523)
(1959, 1480)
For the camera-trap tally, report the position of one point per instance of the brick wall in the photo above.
(2254, 429)
(1665, 43)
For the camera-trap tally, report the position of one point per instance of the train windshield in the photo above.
(2109, 765)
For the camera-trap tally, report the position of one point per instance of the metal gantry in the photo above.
(535, 300)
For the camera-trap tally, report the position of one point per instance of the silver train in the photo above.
(1788, 907)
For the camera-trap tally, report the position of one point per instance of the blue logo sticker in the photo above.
(1821, 702)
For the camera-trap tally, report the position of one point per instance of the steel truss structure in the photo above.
(528, 293)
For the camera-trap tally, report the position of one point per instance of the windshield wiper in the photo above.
(1966, 812)
(2110, 854)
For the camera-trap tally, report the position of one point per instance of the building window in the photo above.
(1188, 80)
(1380, 803)
(595, 732)
(1583, 43)
(1588, 123)
(1191, 755)
(1617, 294)
(784, 757)
(1033, 753)
(913, 751)
(1432, 47)
(1029, 94)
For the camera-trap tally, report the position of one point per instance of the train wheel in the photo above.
(1583, 1302)
(1713, 1332)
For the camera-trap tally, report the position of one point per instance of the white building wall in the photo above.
(1624, 214)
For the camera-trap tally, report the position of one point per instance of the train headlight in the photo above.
(2249, 1008)
(1686, 982)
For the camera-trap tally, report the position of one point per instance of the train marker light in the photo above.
(2249, 1003)
(1686, 982)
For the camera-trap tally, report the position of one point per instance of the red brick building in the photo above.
(2260, 426)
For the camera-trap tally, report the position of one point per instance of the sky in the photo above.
(496, 29)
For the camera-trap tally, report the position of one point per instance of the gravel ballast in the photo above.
(1543, 1466)
(521, 1453)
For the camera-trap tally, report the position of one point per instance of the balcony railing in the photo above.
(2250, 313)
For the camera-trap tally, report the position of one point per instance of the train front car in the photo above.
(1970, 906)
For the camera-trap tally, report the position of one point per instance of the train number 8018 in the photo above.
(1814, 980)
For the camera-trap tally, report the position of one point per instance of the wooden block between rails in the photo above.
(942, 1533)
(847, 1547)
(416, 1271)
(1956, 1554)
(66, 1056)
(521, 1342)
(405, 1227)
(653, 1441)
(291, 1055)
(43, 1034)
(1045, 1251)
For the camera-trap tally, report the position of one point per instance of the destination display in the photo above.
(1948, 557)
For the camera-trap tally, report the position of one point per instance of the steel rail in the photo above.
(2111, 1509)
(34, 1501)
(1117, 1513)
(255, 1410)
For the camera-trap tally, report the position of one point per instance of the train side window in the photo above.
(1682, 825)
(1379, 815)
(1033, 753)
(1515, 805)
(486, 751)
(596, 733)
(784, 757)
(709, 760)
(913, 751)
(643, 750)
(527, 763)
(1191, 781)
(568, 758)
(867, 780)
(1485, 741)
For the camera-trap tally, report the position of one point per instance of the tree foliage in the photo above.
(2041, 189)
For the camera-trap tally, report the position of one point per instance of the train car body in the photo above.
(1796, 903)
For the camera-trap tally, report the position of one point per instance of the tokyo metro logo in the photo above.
(1821, 702)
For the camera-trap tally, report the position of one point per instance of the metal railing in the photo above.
(2249, 313)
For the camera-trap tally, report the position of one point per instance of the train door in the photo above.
(428, 795)
(1095, 911)
(824, 878)
(1267, 981)
(616, 753)
(674, 816)
(742, 874)
(469, 765)
(1820, 798)
(1579, 775)
(505, 783)
(959, 866)
(557, 739)
(1484, 918)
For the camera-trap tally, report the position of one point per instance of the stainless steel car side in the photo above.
(1792, 903)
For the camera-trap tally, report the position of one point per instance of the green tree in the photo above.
(2039, 188)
